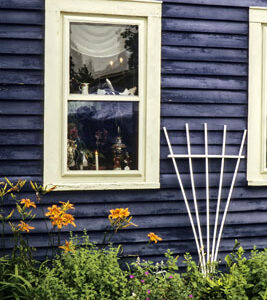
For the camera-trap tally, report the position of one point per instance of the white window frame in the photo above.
(257, 105)
(147, 15)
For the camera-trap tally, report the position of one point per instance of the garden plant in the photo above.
(81, 269)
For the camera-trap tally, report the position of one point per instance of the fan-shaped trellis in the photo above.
(211, 251)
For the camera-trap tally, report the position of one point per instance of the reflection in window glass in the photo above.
(103, 59)
(102, 135)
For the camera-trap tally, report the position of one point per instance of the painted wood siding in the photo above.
(204, 79)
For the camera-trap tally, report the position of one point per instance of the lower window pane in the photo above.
(102, 135)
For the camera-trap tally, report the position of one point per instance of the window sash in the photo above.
(141, 23)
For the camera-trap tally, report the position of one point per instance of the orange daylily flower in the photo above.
(58, 215)
(124, 213)
(24, 226)
(114, 213)
(118, 218)
(154, 238)
(28, 203)
(68, 247)
(68, 219)
(119, 213)
(57, 221)
(53, 210)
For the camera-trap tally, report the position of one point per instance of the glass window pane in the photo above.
(102, 135)
(103, 59)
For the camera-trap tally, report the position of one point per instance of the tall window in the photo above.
(257, 125)
(102, 94)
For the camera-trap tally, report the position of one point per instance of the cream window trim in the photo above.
(257, 109)
(145, 14)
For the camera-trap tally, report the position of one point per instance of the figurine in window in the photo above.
(77, 146)
(116, 163)
(71, 153)
(127, 161)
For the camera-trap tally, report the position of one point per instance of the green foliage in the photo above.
(87, 273)
(94, 273)
(157, 281)
(17, 279)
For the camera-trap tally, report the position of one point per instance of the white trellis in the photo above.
(211, 251)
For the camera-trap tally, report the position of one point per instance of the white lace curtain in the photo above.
(101, 41)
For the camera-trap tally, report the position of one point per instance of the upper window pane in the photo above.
(103, 59)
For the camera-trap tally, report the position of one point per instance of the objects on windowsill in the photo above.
(111, 91)
(96, 161)
(110, 85)
(84, 88)
(121, 158)
(127, 161)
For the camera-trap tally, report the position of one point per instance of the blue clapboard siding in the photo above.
(227, 3)
(204, 79)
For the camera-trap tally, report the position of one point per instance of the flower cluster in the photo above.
(120, 218)
(25, 215)
(59, 216)
(22, 226)
(27, 203)
(68, 247)
(119, 213)
(154, 238)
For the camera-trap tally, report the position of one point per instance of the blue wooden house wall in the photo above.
(204, 79)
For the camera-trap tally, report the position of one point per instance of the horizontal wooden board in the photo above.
(204, 54)
(213, 124)
(15, 46)
(184, 25)
(145, 249)
(25, 62)
(203, 96)
(180, 248)
(21, 107)
(20, 153)
(140, 235)
(197, 137)
(23, 92)
(202, 110)
(28, 178)
(171, 181)
(34, 77)
(131, 237)
(21, 122)
(152, 252)
(155, 222)
(21, 31)
(165, 208)
(30, 137)
(204, 40)
(253, 196)
(22, 4)
(21, 17)
(204, 82)
(123, 197)
(20, 168)
(176, 10)
(230, 3)
(204, 68)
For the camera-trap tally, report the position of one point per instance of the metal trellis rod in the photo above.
(210, 253)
